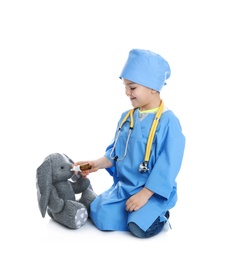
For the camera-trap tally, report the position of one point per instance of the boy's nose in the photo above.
(128, 92)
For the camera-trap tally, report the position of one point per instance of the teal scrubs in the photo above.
(108, 210)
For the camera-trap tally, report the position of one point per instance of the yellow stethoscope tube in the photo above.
(153, 130)
(143, 166)
(130, 113)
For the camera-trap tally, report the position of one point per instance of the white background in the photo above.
(60, 92)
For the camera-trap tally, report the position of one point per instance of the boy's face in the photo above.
(141, 97)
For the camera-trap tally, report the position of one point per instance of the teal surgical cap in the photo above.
(146, 68)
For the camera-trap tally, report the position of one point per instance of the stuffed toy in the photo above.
(57, 187)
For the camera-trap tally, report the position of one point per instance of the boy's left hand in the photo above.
(138, 200)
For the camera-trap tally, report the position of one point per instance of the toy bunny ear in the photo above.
(68, 158)
(44, 185)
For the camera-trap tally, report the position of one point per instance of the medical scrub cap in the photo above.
(146, 68)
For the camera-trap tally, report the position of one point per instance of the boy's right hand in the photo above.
(85, 173)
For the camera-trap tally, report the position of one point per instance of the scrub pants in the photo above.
(153, 230)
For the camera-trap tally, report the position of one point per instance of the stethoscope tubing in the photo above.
(143, 166)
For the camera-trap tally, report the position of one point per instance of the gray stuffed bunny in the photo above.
(56, 188)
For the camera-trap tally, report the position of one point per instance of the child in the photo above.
(145, 156)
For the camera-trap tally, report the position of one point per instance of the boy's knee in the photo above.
(153, 230)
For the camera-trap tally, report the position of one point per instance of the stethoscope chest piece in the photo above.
(143, 167)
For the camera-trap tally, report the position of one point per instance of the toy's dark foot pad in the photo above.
(81, 217)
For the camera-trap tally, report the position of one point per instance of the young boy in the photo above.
(145, 156)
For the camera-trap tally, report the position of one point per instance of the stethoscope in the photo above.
(143, 167)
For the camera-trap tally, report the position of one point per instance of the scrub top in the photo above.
(108, 210)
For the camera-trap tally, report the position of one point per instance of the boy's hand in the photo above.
(138, 200)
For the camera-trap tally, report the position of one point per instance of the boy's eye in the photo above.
(131, 88)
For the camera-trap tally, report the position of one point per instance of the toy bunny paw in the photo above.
(81, 217)
(74, 215)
